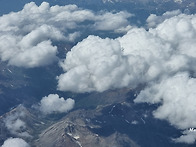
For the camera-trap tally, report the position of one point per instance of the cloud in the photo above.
(53, 103)
(39, 55)
(189, 137)
(97, 64)
(177, 98)
(16, 142)
(112, 21)
(162, 57)
(90, 64)
(15, 124)
(153, 20)
(27, 37)
(176, 94)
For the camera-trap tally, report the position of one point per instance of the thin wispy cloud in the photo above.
(15, 124)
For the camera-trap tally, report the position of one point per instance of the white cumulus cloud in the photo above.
(153, 20)
(53, 103)
(92, 65)
(97, 64)
(162, 57)
(15, 142)
(177, 96)
(189, 136)
(27, 37)
(112, 21)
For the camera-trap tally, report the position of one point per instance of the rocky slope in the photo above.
(77, 130)
(120, 124)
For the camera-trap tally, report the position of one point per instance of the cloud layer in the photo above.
(162, 57)
(53, 103)
(16, 142)
(27, 36)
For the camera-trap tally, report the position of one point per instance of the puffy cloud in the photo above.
(176, 94)
(27, 36)
(163, 58)
(189, 136)
(184, 29)
(90, 65)
(39, 55)
(153, 20)
(177, 97)
(53, 103)
(112, 21)
(16, 142)
(97, 64)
